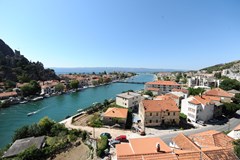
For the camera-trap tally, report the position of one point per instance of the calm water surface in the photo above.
(58, 107)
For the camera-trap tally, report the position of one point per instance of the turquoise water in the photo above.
(58, 107)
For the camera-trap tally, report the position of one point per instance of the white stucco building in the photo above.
(235, 133)
(200, 108)
(162, 87)
(128, 100)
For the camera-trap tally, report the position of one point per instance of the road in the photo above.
(231, 124)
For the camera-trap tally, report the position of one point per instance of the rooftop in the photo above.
(8, 94)
(219, 93)
(204, 100)
(167, 83)
(128, 95)
(116, 112)
(160, 105)
(141, 146)
(22, 144)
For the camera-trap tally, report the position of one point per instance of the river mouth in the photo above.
(58, 107)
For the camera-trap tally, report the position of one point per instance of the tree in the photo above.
(195, 91)
(102, 145)
(59, 87)
(105, 103)
(74, 84)
(31, 153)
(36, 88)
(32, 88)
(228, 84)
(148, 93)
(9, 84)
(236, 98)
(46, 124)
(218, 75)
(237, 148)
(230, 108)
(20, 133)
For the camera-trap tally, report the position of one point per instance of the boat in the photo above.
(46, 95)
(23, 102)
(31, 113)
(37, 99)
(79, 110)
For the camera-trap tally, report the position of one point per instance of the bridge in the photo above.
(130, 82)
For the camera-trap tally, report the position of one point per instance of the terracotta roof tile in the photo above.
(116, 112)
(204, 99)
(167, 83)
(160, 105)
(8, 94)
(218, 92)
(141, 146)
(212, 138)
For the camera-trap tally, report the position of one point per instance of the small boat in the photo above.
(47, 95)
(79, 110)
(23, 102)
(31, 113)
(37, 98)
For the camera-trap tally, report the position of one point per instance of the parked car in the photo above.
(108, 135)
(201, 123)
(122, 138)
(113, 143)
(138, 130)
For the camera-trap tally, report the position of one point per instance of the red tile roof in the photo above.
(160, 105)
(204, 100)
(213, 138)
(218, 92)
(214, 144)
(116, 113)
(8, 94)
(167, 83)
(141, 146)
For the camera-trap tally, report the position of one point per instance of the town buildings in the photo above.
(115, 116)
(201, 108)
(218, 92)
(159, 112)
(162, 87)
(128, 100)
(209, 145)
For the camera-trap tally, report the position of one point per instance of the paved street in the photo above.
(233, 122)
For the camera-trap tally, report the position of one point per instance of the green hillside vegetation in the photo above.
(220, 67)
(15, 67)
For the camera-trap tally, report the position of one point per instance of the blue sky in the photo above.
(175, 34)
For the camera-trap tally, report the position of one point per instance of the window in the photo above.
(150, 114)
(150, 121)
(174, 113)
(156, 121)
(156, 114)
(169, 113)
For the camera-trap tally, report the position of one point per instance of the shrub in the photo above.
(84, 135)
(32, 153)
(102, 144)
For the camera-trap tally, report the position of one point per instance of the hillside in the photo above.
(17, 68)
(235, 66)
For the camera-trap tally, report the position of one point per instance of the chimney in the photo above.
(158, 147)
